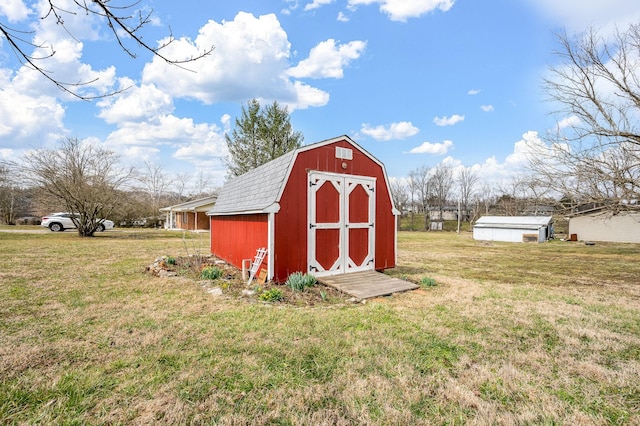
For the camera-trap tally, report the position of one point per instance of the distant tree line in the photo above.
(442, 193)
(91, 181)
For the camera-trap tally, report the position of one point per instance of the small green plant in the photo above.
(427, 282)
(211, 273)
(299, 281)
(323, 295)
(170, 260)
(272, 295)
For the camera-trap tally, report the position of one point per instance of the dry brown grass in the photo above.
(89, 338)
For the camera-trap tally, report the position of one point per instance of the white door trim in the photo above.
(344, 185)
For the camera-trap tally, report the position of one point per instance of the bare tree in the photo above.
(180, 185)
(125, 22)
(467, 181)
(442, 183)
(594, 154)
(14, 198)
(400, 196)
(512, 196)
(413, 191)
(81, 178)
(203, 185)
(483, 200)
(421, 176)
(155, 183)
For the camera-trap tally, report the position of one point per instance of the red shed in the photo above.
(324, 209)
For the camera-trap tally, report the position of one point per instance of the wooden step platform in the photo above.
(366, 284)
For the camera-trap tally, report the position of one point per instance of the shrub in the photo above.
(170, 260)
(211, 273)
(272, 295)
(299, 281)
(427, 282)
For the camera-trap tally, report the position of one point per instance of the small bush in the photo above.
(299, 281)
(272, 295)
(427, 282)
(170, 260)
(211, 273)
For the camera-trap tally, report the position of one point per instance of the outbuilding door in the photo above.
(341, 218)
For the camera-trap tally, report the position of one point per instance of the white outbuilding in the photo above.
(516, 229)
(602, 225)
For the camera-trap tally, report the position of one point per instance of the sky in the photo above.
(413, 82)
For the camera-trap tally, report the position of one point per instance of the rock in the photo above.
(215, 291)
(248, 293)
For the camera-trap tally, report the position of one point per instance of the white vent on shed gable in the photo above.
(344, 153)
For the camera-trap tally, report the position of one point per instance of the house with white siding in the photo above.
(600, 224)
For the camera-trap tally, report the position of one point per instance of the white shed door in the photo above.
(341, 218)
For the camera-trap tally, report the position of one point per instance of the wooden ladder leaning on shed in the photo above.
(257, 261)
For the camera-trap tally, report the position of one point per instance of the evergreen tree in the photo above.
(259, 136)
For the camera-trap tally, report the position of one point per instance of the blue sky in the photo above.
(414, 82)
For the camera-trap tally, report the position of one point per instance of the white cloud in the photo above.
(316, 4)
(136, 104)
(342, 17)
(7, 154)
(448, 121)
(401, 10)
(225, 120)
(250, 60)
(486, 108)
(201, 145)
(307, 96)
(494, 172)
(400, 130)
(578, 15)
(433, 148)
(473, 92)
(249, 53)
(328, 60)
(28, 119)
(568, 122)
(14, 10)
(164, 130)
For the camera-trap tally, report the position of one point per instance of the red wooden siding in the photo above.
(291, 221)
(358, 244)
(237, 237)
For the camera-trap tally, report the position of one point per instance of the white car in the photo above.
(58, 222)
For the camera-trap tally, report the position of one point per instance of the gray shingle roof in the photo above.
(255, 190)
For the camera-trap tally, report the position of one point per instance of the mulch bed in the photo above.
(231, 284)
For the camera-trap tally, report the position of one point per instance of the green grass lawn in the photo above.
(510, 334)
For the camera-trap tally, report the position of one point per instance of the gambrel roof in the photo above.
(255, 191)
(259, 190)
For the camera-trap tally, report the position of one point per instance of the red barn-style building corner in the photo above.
(325, 209)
